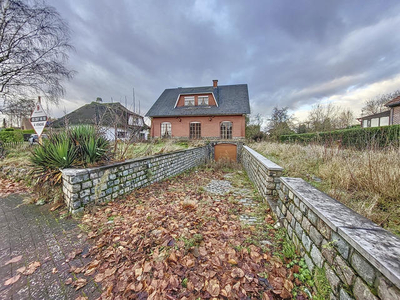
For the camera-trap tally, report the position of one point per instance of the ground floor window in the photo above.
(121, 134)
(195, 130)
(166, 129)
(226, 130)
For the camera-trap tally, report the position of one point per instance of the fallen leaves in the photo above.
(8, 187)
(31, 268)
(170, 241)
(12, 280)
(14, 260)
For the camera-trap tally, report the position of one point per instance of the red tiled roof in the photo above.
(394, 102)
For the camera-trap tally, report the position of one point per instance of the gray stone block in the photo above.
(306, 224)
(317, 257)
(341, 245)
(312, 217)
(328, 251)
(84, 193)
(315, 236)
(324, 229)
(343, 295)
(333, 280)
(296, 200)
(309, 263)
(386, 290)
(298, 215)
(299, 230)
(306, 241)
(363, 268)
(361, 291)
(87, 184)
(344, 270)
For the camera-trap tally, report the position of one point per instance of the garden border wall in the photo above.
(361, 260)
(105, 183)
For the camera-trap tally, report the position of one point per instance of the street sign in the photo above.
(38, 119)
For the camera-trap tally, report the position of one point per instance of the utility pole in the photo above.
(133, 96)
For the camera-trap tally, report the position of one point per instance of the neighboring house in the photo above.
(211, 112)
(115, 120)
(385, 118)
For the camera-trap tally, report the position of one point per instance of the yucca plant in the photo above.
(58, 152)
(91, 145)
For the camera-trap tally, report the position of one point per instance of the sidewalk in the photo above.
(40, 235)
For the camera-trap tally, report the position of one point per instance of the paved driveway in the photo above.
(40, 235)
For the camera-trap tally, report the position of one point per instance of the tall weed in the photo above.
(366, 181)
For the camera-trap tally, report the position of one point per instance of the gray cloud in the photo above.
(291, 53)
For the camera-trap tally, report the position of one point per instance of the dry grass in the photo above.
(136, 150)
(366, 181)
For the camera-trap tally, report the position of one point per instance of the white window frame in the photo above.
(167, 129)
(227, 133)
(384, 121)
(197, 130)
(375, 122)
(188, 100)
(202, 99)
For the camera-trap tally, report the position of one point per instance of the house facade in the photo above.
(116, 121)
(385, 118)
(211, 112)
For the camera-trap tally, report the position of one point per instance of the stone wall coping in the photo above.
(380, 247)
(263, 160)
(82, 171)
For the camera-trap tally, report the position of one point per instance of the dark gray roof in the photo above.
(97, 112)
(231, 99)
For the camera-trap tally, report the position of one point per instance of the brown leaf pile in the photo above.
(170, 242)
(8, 187)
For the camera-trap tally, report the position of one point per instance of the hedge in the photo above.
(7, 136)
(359, 138)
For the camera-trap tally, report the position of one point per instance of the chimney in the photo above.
(215, 83)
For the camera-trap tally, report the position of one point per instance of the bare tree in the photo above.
(329, 117)
(34, 42)
(280, 122)
(377, 104)
(18, 109)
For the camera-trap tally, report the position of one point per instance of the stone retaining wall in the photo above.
(262, 172)
(361, 259)
(95, 185)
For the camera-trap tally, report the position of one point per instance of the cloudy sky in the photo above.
(290, 53)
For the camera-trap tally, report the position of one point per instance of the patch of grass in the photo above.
(195, 240)
(322, 284)
(366, 181)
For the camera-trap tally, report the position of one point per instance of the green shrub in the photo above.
(359, 138)
(8, 136)
(81, 146)
(91, 146)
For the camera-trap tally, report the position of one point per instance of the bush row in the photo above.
(9, 135)
(359, 138)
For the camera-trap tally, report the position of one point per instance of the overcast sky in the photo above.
(290, 53)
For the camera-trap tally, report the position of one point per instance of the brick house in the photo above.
(114, 119)
(210, 112)
(385, 118)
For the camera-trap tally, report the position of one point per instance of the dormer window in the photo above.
(189, 101)
(203, 100)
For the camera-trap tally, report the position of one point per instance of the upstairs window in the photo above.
(226, 130)
(203, 100)
(195, 130)
(166, 129)
(189, 101)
